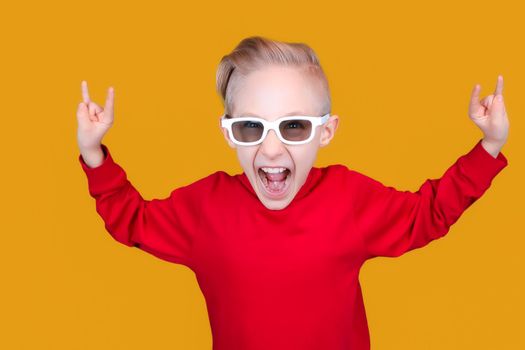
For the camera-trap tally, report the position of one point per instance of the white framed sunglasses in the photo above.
(291, 130)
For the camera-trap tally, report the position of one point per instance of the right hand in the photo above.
(93, 121)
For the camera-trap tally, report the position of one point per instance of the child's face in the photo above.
(270, 93)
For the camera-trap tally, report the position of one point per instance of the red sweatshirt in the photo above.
(287, 279)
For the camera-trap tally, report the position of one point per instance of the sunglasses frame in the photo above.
(226, 121)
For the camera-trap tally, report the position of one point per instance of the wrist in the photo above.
(93, 157)
(491, 147)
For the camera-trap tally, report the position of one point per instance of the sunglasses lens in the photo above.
(247, 131)
(295, 130)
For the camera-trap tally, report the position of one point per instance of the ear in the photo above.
(328, 130)
(226, 136)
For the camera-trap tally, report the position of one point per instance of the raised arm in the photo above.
(392, 222)
(162, 227)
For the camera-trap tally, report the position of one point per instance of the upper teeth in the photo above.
(273, 170)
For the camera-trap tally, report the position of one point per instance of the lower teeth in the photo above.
(274, 186)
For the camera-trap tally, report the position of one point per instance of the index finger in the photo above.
(499, 86)
(85, 94)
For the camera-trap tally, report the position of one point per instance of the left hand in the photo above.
(490, 115)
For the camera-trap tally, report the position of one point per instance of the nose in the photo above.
(271, 146)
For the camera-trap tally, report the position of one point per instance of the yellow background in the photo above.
(400, 73)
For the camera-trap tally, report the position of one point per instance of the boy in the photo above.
(277, 249)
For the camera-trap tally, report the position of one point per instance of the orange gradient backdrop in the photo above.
(400, 73)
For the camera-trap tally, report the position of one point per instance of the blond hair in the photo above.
(255, 52)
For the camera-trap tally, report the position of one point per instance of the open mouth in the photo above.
(275, 181)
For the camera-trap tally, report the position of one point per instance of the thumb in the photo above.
(94, 108)
(487, 101)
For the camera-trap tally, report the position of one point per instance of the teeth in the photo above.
(273, 170)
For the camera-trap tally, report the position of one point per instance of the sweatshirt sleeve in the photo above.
(161, 227)
(392, 222)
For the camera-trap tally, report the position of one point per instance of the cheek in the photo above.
(246, 156)
(304, 157)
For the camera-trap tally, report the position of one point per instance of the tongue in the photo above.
(277, 177)
(276, 182)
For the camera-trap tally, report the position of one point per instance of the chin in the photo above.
(274, 201)
(275, 205)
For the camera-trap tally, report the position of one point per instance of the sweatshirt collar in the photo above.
(311, 180)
